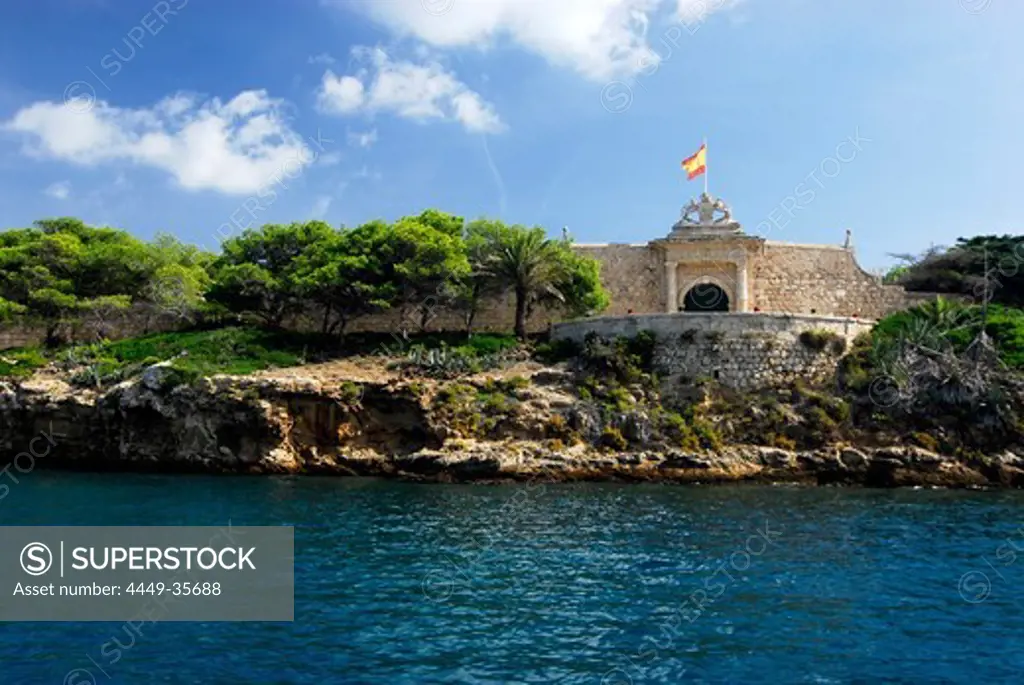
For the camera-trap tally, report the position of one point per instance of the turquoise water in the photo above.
(403, 583)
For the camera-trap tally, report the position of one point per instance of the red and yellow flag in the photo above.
(696, 164)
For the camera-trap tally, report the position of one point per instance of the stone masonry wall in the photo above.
(741, 351)
(798, 278)
(633, 275)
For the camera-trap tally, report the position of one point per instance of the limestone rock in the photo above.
(853, 459)
(775, 458)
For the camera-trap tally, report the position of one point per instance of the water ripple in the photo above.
(401, 583)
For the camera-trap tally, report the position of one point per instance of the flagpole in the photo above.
(705, 165)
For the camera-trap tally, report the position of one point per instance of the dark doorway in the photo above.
(706, 297)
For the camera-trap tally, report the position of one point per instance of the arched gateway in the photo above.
(707, 259)
(705, 297)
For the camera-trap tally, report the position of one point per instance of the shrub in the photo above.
(454, 394)
(706, 433)
(924, 440)
(818, 339)
(819, 427)
(557, 427)
(557, 351)
(444, 362)
(612, 439)
(456, 404)
(179, 376)
(517, 382)
(350, 394)
(623, 360)
(493, 403)
(618, 399)
(781, 441)
(506, 386)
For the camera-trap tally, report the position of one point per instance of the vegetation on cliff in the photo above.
(240, 350)
(945, 376)
(983, 267)
(62, 272)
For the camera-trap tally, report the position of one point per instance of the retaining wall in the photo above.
(744, 351)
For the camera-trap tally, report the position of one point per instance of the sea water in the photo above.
(587, 583)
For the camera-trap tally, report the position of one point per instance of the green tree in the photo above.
(60, 271)
(538, 270)
(257, 273)
(344, 276)
(470, 292)
(423, 263)
(983, 267)
(54, 308)
(10, 310)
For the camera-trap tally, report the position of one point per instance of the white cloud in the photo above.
(414, 91)
(600, 39)
(60, 190)
(236, 147)
(362, 139)
(320, 207)
(693, 13)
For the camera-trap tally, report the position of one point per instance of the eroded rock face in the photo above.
(306, 425)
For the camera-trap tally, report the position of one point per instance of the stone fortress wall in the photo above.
(740, 309)
(740, 351)
(798, 278)
(783, 277)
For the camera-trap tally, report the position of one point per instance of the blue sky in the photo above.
(898, 120)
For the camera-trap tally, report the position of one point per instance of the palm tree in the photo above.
(524, 260)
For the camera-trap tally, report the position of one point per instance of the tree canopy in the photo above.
(983, 267)
(62, 271)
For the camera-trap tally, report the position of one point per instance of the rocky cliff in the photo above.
(527, 427)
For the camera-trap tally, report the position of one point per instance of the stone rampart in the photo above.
(742, 351)
(794, 278)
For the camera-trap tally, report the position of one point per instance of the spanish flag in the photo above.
(696, 164)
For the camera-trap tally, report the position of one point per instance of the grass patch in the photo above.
(21, 363)
(235, 350)
(225, 350)
(232, 350)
